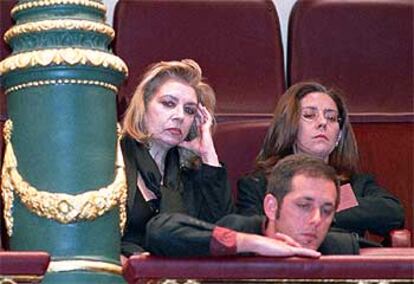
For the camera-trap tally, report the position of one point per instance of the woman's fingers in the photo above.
(203, 114)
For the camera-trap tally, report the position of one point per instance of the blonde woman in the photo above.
(171, 163)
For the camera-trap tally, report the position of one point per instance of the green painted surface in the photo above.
(89, 239)
(82, 278)
(64, 139)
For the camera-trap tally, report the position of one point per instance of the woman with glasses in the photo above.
(313, 120)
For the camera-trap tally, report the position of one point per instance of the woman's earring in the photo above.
(338, 139)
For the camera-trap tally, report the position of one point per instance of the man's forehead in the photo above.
(312, 186)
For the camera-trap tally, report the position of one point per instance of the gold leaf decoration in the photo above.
(44, 3)
(48, 25)
(32, 84)
(61, 207)
(60, 56)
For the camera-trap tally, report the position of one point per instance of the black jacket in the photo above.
(180, 235)
(202, 192)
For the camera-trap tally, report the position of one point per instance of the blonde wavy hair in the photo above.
(186, 71)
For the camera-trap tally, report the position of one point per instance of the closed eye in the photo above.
(331, 116)
(169, 104)
(190, 110)
(327, 210)
(304, 206)
(309, 116)
(309, 113)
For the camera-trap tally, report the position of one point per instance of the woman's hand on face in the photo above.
(203, 144)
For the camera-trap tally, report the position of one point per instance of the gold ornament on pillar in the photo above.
(61, 207)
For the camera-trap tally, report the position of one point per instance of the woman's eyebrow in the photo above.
(169, 96)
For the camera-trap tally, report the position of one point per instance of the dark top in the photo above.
(378, 211)
(180, 235)
(202, 192)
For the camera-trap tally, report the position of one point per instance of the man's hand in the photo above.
(283, 246)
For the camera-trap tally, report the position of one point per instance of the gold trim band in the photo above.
(69, 56)
(62, 207)
(35, 84)
(14, 279)
(88, 265)
(45, 3)
(48, 25)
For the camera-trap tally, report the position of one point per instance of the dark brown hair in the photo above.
(280, 179)
(282, 133)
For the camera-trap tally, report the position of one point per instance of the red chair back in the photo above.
(236, 43)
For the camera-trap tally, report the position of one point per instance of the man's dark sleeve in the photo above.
(180, 235)
(250, 193)
(340, 243)
(247, 224)
(378, 210)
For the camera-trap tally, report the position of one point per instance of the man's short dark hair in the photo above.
(280, 179)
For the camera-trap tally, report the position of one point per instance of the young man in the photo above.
(300, 203)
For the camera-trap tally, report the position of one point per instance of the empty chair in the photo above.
(237, 44)
(237, 144)
(386, 150)
(364, 47)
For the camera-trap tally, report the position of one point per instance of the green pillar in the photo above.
(63, 184)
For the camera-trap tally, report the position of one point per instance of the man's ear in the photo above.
(270, 206)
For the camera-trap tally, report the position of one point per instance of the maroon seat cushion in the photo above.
(236, 43)
(238, 143)
(363, 47)
(23, 263)
(387, 150)
(401, 238)
(369, 266)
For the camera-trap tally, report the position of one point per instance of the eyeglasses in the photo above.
(312, 113)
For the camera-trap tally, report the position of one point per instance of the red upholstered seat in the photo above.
(386, 150)
(364, 47)
(237, 144)
(27, 267)
(401, 238)
(374, 265)
(237, 44)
